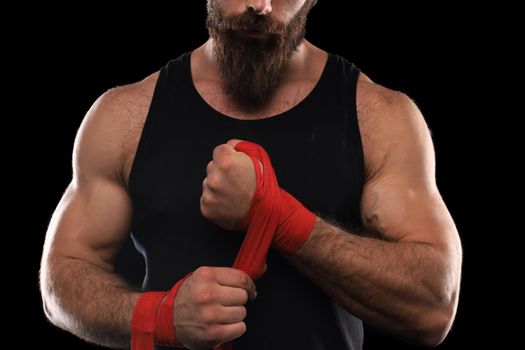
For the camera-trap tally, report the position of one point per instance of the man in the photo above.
(381, 247)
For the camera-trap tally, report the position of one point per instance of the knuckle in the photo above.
(208, 315)
(225, 163)
(204, 272)
(213, 182)
(204, 209)
(204, 296)
(206, 199)
(205, 213)
(218, 150)
(209, 166)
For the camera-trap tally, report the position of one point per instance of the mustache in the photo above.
(250, 21)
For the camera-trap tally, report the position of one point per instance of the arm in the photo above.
(407, 280)
(80, 292)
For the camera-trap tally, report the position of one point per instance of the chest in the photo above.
(313, 149)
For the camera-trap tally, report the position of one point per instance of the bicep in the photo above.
(403, 211)
(400, 199)
(90, 223)
(93, 217)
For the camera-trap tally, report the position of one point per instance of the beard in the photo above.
(252, 68)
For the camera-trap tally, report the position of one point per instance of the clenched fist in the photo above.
(209, 308)
(228, 188)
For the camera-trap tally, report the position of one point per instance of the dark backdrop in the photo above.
(433, 54)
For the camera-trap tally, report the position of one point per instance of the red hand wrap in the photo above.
(152, 321)
(275, 217)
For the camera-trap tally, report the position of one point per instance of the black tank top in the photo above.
(317, 154)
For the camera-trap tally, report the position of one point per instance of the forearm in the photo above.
(400, 286)
(88, 301)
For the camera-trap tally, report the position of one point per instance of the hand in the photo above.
(208, 310)
(228, 188)
(291, 223)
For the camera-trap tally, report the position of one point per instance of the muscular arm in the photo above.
(80, 292)
(407, 280)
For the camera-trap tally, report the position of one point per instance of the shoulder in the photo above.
(124, 102)
(390, 124)
(109, 133)
(372, 96)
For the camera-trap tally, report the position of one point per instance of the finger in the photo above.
(222, 150)
(228, 332)
(231, 314)
(210, 166)
(231, 277)
(231, 296)
(208, 192)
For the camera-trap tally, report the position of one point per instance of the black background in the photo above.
(438, 55)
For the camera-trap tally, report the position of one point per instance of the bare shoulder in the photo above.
(390, 123)
(110, 132)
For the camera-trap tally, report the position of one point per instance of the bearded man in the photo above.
(346, 212)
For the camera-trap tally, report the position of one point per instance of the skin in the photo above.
(404, 275)
(91, 222)
(406, 281)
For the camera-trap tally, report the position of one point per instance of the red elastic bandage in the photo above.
(152, 321)
(274, 213)
(275, 218)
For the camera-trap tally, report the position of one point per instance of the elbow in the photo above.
(54, 313)
(434, 326)
(437, 319)
(48, 304)
(47, 311)
(49, 299)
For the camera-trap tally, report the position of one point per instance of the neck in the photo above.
(302, 74)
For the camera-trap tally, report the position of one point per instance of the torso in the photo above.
(136, 99)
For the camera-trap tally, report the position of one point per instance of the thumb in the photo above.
(223, 150)
(233, 142)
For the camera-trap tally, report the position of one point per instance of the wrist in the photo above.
(295, 224)
(152, 319)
